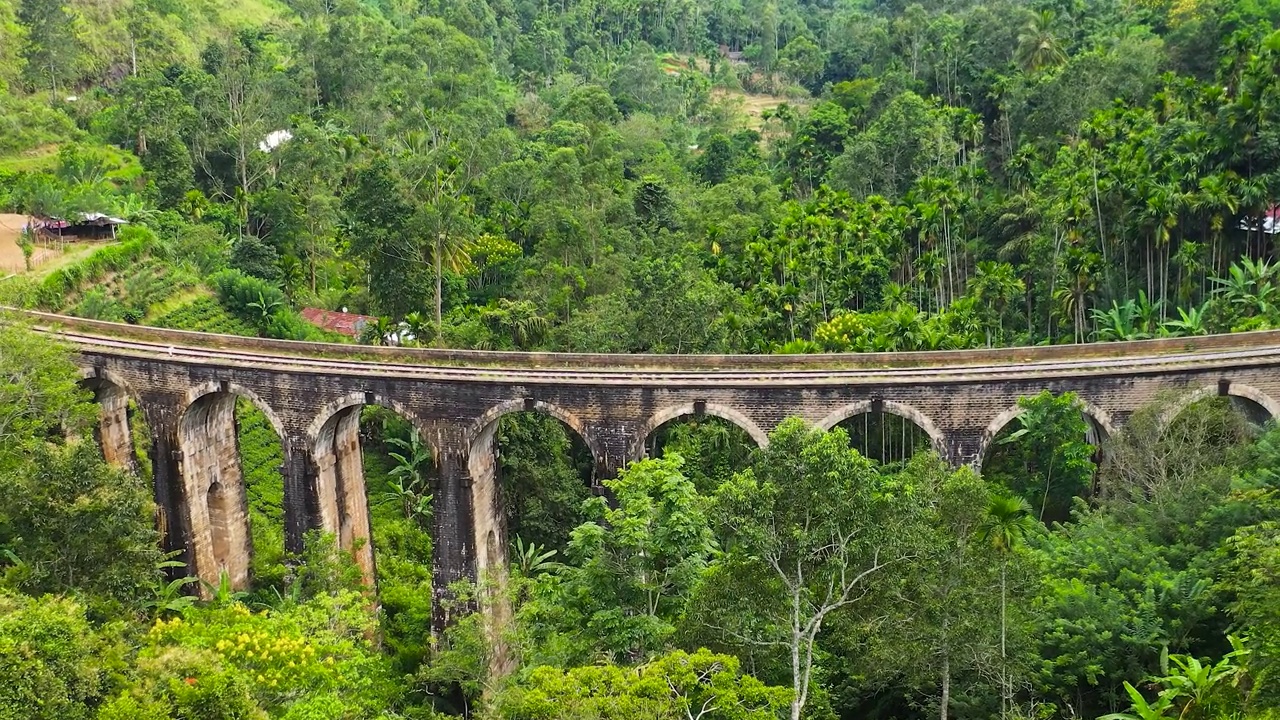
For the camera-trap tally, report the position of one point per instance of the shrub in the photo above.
(230, 662)
(265, 307)
(51, 661)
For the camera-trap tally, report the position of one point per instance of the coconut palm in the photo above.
(1005, 525)
(1038, 46)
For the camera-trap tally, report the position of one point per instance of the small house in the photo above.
(82, 226)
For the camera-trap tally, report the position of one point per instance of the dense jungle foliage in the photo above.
(658, 176)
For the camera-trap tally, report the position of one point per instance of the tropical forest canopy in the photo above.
(670, 176)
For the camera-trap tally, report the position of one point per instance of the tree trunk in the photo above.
(1005, 695)
(946, 686)
(439, 263)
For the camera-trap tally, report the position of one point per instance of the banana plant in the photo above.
(169, 596)
(1141, 709)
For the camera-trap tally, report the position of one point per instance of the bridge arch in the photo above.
(213, 387)
(902, 410)
(114, 434)
(723, 412)
(1100, 422)
(215, 505)
(90, 375)
(333, 409)
(489, 520)
(339, 497)
(1232, 389)
(490, 419)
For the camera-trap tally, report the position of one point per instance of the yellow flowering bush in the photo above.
(272, 658)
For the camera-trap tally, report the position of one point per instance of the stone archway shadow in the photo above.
(728, 414)
(902, 410)
(1100, 419)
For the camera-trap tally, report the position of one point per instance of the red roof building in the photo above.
(348, 324)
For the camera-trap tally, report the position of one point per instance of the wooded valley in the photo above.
(660, 176)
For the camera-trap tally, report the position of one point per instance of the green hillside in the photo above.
(691, 176)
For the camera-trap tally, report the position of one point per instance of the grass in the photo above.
(75, 253)
(752, 105)
(174, 303)
(36, 159)
(122, 166)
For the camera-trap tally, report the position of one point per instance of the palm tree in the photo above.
(1005, 525)
(448, 250)
(419, 327)
(1038, 47)
(994, 286)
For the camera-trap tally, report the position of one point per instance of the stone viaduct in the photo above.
(185, 386)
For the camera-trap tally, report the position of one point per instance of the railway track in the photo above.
(1253, 356)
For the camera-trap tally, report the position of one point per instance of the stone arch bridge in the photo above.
(185, 385)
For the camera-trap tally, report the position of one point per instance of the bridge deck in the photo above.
(1134, 357)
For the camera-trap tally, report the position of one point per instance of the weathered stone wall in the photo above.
(340, 488)
(113, 425)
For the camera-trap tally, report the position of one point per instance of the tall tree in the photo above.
(808, 529)
(53, 49)
(1005, 525)
(634, 568)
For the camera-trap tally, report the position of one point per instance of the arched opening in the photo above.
(121, 432)
(230, 465)
(375, 484)
(1180, 449)
(712, 447)
(531, 469)
(885, 431)
(262, 466)
(374, 477)
(1047, 450)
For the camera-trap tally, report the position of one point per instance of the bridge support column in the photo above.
(340, 503)
(963, 447)
(113, 433)
(297, 476)
(616, 446)
(453, 540)
(215, 505)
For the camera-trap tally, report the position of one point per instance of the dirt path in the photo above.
(11, 259)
